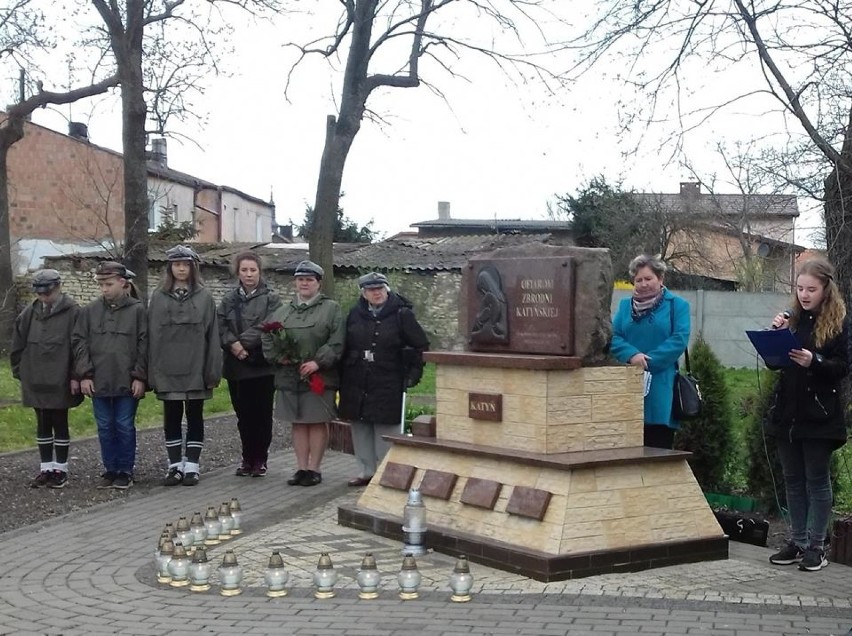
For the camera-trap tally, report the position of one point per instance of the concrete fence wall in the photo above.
(722, 318)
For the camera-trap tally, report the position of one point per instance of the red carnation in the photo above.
(316, 383)
(271, 327)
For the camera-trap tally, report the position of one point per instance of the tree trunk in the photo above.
(133, 114)
(838, 216)
(337, 145)
(11, 133)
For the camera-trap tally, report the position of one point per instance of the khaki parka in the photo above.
(318, 330)
(110, 344)
(240, 316)
(41, 354)
(184, 354)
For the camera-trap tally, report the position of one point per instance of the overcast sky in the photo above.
(493, 149)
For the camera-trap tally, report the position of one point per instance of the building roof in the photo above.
(497, 225)
(154, 169)
(725, 204)
(422, 254)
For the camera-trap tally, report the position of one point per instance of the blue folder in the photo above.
(774, 345)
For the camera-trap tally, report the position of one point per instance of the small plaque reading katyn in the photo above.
(485, 406)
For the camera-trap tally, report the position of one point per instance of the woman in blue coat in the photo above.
(651, 330)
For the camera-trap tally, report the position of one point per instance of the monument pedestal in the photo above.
(555, 484)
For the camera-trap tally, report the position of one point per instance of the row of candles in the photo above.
(192, 537)
(175, 568)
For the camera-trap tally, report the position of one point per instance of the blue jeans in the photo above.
(806, 464)
(116, 417)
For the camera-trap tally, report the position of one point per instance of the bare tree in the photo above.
(12, 131)
(376, 31)
(22, 31)
(165, 67)
(803, 51)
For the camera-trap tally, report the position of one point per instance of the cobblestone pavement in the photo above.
(91, 572)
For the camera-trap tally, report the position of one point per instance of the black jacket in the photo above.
(239, 318)
(809, 402)
(371, 390)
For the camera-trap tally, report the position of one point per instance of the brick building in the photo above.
(66, 195)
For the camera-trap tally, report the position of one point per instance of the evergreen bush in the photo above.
(709, 436)
(764, 476)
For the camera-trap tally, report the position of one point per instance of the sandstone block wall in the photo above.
(555, 411)
(591, 509)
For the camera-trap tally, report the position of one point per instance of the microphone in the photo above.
(786, 315)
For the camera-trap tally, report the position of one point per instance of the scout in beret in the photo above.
(184, 360)
(383, 357)
(306, 383)
(110, 343)
(42, 359)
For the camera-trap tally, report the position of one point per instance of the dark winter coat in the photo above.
(184, 354)
(110, 344)
(41, 354)
(318, 331)
(372, 390)
(808, 401)
(240, 317)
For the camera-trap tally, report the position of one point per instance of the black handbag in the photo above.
(686, 394)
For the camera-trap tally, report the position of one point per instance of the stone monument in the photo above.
(537, 464)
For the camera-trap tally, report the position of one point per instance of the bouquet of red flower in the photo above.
(283, 344)
(287, 352)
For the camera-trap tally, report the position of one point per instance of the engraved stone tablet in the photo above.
(485, 406)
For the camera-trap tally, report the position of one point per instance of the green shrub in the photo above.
(763, 470)
(709, 436)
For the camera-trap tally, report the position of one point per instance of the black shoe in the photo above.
(190, 479)
(296, 479)
(814, 560)
(41, 480)
(244, 470)
(107, 480)
(122, 481)
(58, 479)
(174, 477)
(788, 555)
(311, 478)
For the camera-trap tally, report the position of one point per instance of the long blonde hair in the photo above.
(832, 310)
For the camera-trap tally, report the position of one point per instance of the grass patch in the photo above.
(17, 422)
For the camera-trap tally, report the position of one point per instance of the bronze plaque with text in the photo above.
(521, 305)
(485, 406)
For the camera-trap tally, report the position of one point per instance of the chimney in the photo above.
(690, 190)
(158, 152)
(78, 130)
(443, 210)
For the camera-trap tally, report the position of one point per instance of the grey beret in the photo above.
(181, 253)
(373, 280)
(46, 278)
(309, 268)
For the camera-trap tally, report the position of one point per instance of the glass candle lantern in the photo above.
(276, 576)
(184, 533)
(237, 515)
(230, 575)
(200, 570)
(226, 521)
(408, 578)
(325, 577)
(213, 526)
(179, 567)
(166, 552)
(461, 581)
(199, 530)
(368, 578)
(414, 524)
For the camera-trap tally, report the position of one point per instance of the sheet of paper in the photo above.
(647, 380)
